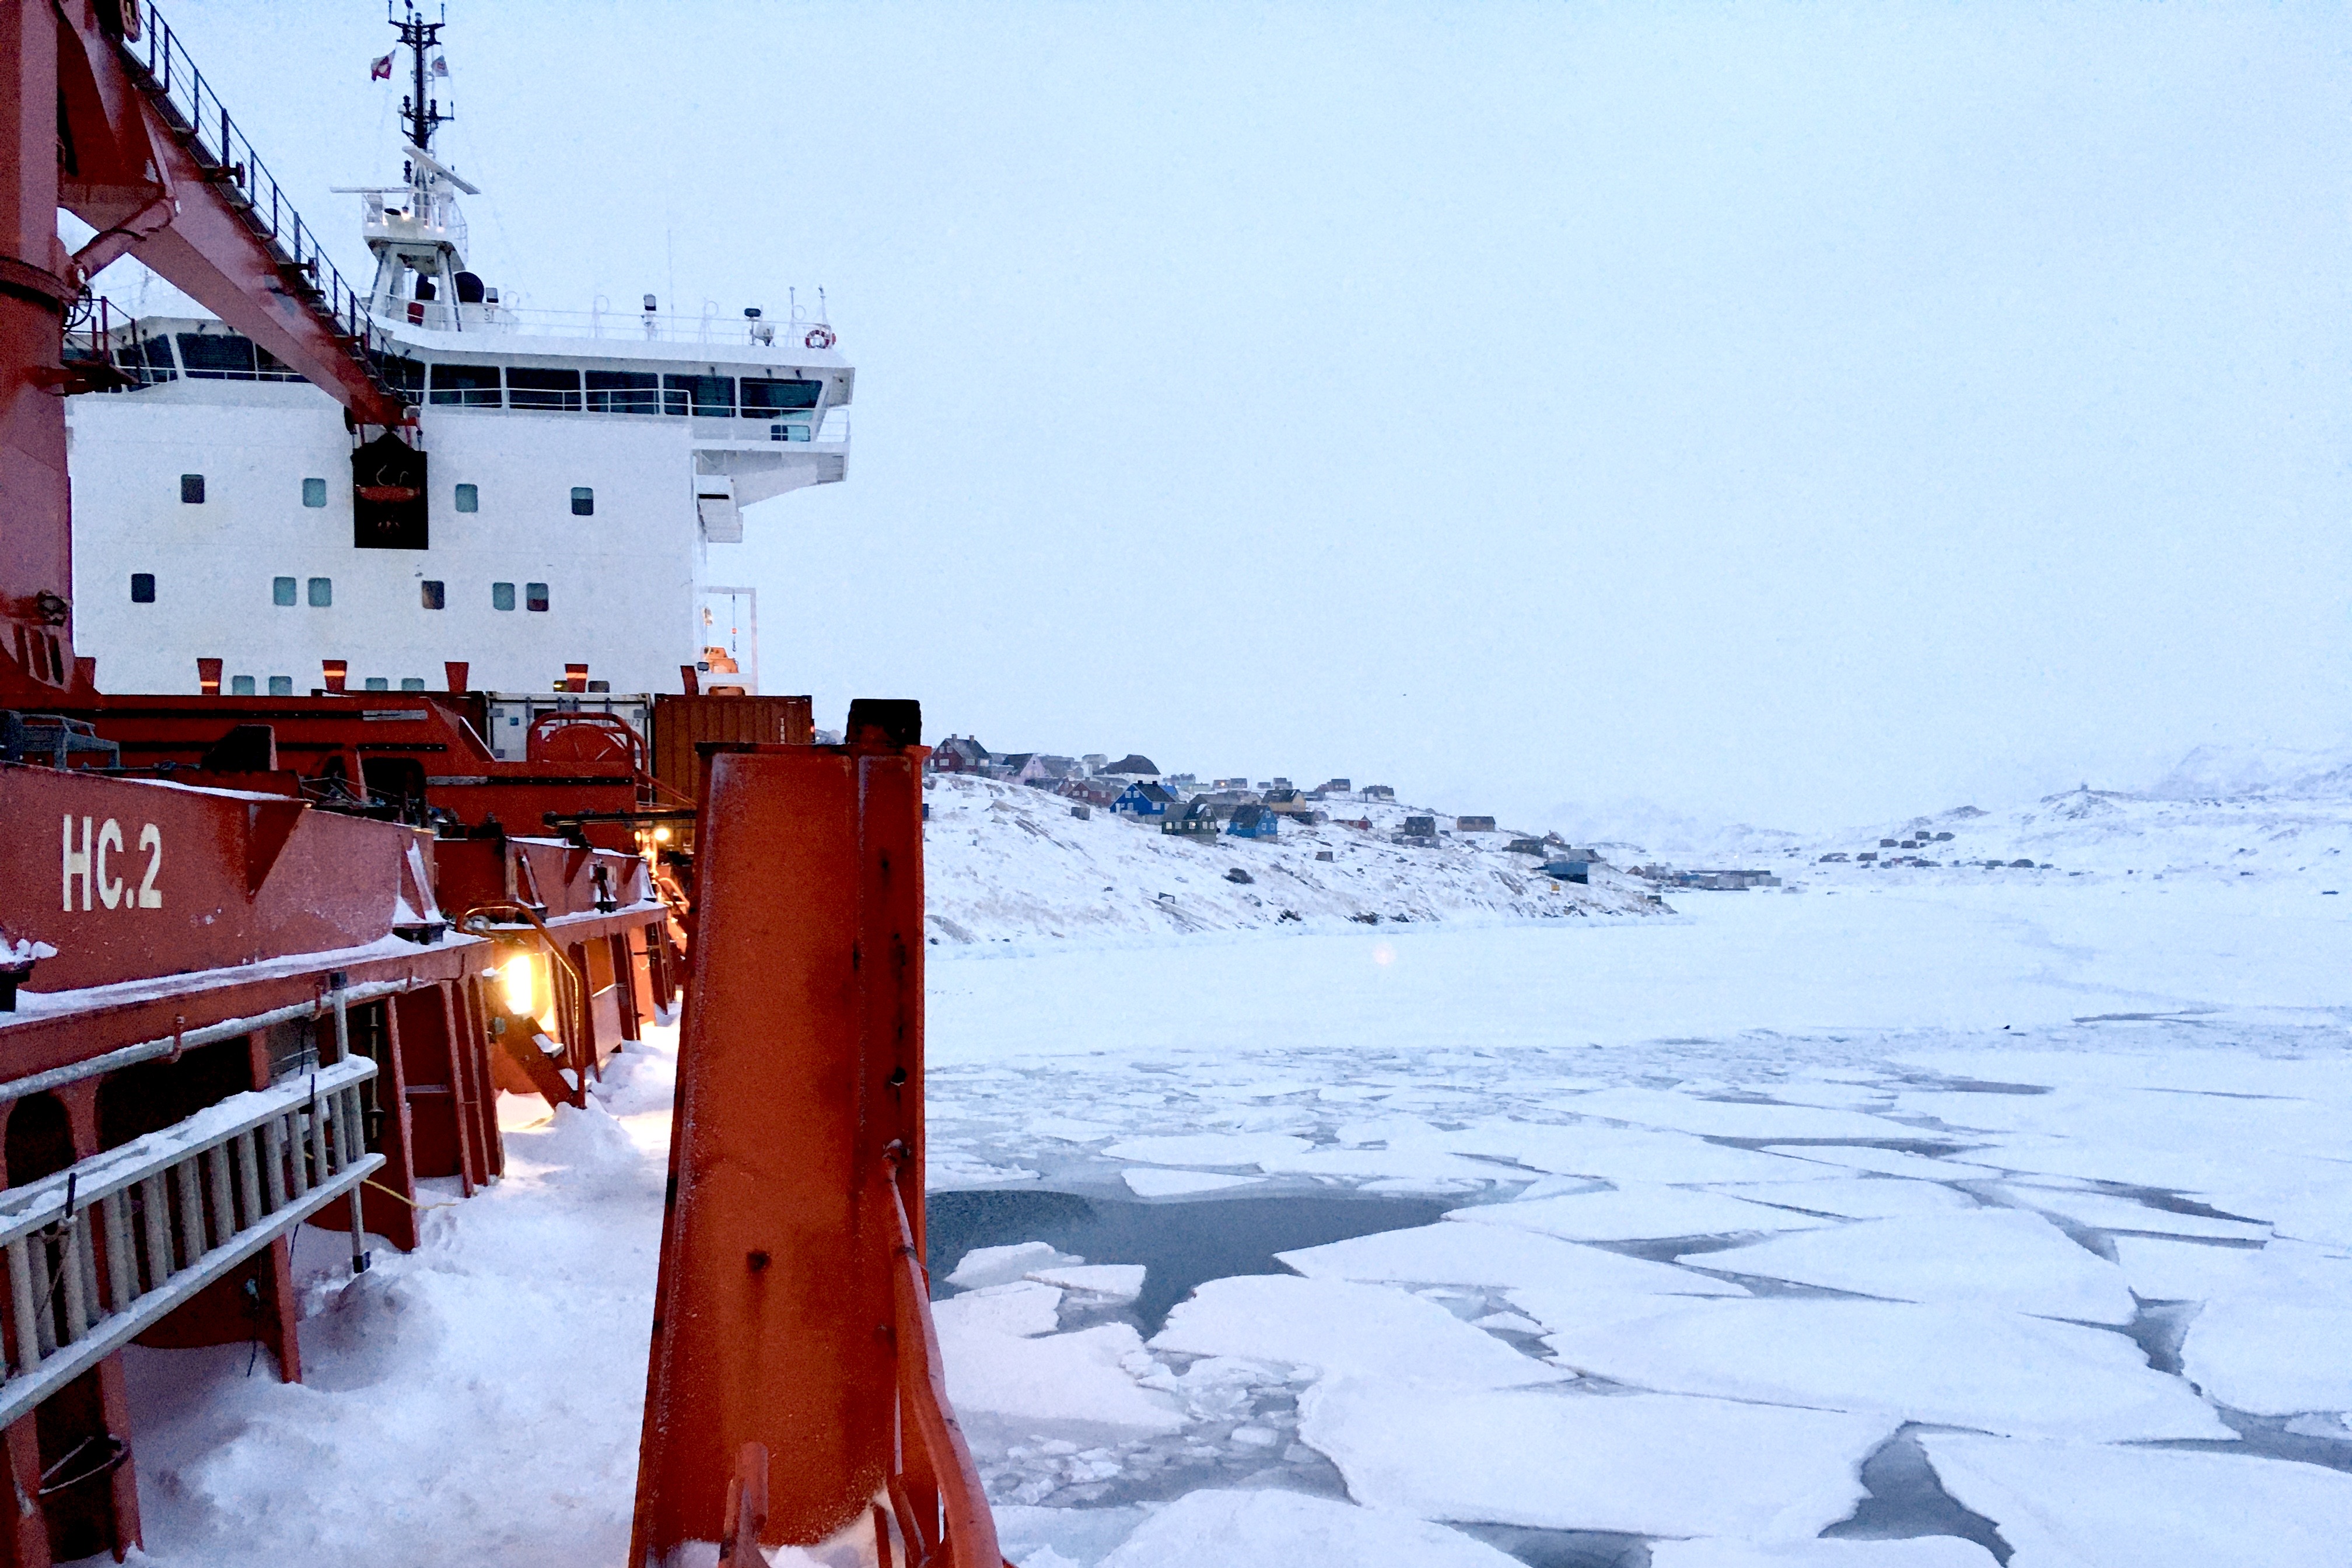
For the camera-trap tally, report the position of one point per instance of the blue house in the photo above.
(1144, 801)
(1253, 822)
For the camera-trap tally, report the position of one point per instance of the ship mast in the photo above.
(424, 114)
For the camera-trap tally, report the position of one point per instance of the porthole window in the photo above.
(534, 596)
(281, 592)
(314, 492)
(143, 587)
(281, 686)
(431, 594)
(469, 497)
(502, 595)
(240, 686)
(584, 501)
(191, 489)
(322, 591)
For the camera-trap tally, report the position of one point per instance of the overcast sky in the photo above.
(1805, 415)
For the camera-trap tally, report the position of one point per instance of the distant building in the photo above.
(1570, 868)
(1338, 786)
(1528, 847)
(1133, 766)
(1144, 801)
(1045, 772)
(957, 754)
(1093, 792)
(1420, 826)
(1378, 791)
(1180, 780)
(1010, 764)
(1198, 820)
(1290, 803)
(1474, 824)
(1094, 761)
(1253, 822)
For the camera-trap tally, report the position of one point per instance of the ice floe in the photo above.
(1923, 1551)
(1497, 1256)
(2103, 1211)
(1003, 1265)
(1860, 1197)
(1338, 1327)
(1648, 1464)
(1291, 1530)
(1995, 1257)
(1113, 1281)
(2082, 1505)
(1644, 1213)
(1956, 1365)
(1732, 1118)
(1212, 1148)
(1148, 1182)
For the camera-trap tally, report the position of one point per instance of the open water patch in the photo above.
(1906, 1500)
(1181, 1243)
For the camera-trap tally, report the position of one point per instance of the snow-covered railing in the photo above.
(793, 336)
(100, 1252)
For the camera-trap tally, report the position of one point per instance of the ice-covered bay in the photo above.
(1832, 1073)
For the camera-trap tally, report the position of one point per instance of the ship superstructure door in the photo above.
(714, 499)
(730, 639)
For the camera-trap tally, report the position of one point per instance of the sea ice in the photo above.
(2273, 1357)
(2161, 1270)
(1020, 1308)
(1088, 1376)
(1637, 1214)
(1953, 1364)
(1732, 1118)
(1497, 1256)
(2081, 1505)
(1623, 1155)
(1290, 1530)
(1145, 1181)
(2103, 1211)
(1215, 1149)
(1648, 1464)
(1339, 1327)
(1885, 1162)
(1858, 1197)
(1118, 1282)
(1993, 1257)
(1003, 1265)
(1922, 1551)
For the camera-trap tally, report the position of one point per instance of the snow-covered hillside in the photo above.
(1008, 863)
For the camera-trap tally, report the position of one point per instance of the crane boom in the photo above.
(102, 114)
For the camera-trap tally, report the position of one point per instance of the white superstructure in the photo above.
(580, 504)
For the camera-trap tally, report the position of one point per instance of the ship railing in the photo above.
(796, 336)
(434, 218)
(187, 103)
(102, 1251)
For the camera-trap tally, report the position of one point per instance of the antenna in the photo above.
(423, 114)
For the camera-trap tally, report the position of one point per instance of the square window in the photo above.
(143, 587)
(281, 686)
(314, 492)
(411, 683)
(469, 497)
(583, 502)
(377, 683)
(281, 591)
(502, 595)
(431, 594)
(191, 489)
(240, 686)
(322, 591)
(534, 596)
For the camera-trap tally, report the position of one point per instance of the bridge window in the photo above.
(191, 489)
(322, 593)
(143, 587)
(534, 596)
(623, 392)
(583, 502)
(405, 374)
(531, 386)
(430, 594)
(281, 686)
(217, 356)
(502, 595)
(469, 497)
(314, 492)
(467, 386)
(411, 683)
(281, 590)
(377, 683)
(705, 396)
(240, 686)
(765, 399)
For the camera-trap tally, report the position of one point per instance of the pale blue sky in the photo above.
(1807, 414)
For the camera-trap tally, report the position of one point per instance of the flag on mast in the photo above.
(381, 70)
(440, 65)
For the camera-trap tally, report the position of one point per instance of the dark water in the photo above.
(1907, 1500)
(1180, 1244)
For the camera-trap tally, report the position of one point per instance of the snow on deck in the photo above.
(1897, 1225)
